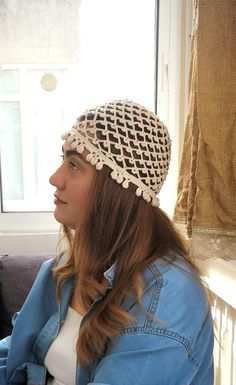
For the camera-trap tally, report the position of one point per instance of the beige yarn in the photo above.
(130, 140)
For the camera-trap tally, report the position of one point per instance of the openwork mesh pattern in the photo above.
(130, 140)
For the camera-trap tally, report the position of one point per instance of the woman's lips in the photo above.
(58, 201)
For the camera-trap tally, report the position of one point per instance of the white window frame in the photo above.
(173, 71)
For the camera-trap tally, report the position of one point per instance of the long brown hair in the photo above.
(119, 228)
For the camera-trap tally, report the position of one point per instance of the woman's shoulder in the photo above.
(175, 293)
(49, 264)
(175, 276)
(45, 270)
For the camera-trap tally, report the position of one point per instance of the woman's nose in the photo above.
(57, 179)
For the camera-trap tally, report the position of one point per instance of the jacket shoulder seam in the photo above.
(168, 334)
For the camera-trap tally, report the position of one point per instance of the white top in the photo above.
(61, 358)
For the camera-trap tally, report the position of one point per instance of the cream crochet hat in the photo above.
(130, 140)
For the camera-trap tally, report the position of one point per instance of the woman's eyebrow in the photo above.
(68, 153)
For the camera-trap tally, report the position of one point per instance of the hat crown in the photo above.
(129, 139)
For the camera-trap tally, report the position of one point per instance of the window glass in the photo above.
(59, 58)
(11, 155)
(9, 81)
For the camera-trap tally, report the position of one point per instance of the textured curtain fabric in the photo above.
(206, 203)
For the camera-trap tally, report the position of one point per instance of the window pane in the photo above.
(9, 81)
(118, 50)
(76, 55)
(11, 154)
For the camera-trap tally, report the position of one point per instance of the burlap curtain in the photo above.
(206, 202)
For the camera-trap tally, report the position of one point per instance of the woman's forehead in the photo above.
(69, 151)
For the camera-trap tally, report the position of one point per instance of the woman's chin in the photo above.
(62, 220)
(59, 218)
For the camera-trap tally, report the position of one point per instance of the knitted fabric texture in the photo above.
(130, 140)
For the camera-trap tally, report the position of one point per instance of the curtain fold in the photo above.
(206, 202)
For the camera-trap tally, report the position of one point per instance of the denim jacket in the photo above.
(169, 343)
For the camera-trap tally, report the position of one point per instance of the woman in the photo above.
(123, 305)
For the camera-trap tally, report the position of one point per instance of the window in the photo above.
(66, 57)
(32, 114)
(79, 44)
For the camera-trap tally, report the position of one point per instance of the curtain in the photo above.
(206, 201)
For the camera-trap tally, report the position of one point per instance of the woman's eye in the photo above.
(70, 163)
(73, 165)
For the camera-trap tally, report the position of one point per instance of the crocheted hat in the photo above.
(130, 140)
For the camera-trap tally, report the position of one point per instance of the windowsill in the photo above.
(220, 275)
(25, 243)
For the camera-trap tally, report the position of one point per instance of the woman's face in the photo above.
(73, 181)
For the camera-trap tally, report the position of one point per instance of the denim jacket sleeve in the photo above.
(4, 348)
(170, 343)
(15, 350)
